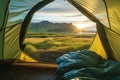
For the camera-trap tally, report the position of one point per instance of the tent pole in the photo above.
(27, 21)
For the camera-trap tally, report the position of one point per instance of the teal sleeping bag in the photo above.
(86, 65)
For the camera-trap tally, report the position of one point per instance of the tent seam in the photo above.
(107, 13)
(6, 10)
(113, 31)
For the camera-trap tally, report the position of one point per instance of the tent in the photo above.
(15, 17)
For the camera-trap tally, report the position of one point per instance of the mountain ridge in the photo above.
(46, 26)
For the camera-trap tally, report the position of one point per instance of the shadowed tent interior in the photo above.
(16, 15)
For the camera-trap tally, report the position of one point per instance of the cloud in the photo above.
(76, 15)
(56, 10)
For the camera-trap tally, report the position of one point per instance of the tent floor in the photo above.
(28, 71)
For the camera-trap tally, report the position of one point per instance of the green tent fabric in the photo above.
(15, 17)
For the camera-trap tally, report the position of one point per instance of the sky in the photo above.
(61, 11)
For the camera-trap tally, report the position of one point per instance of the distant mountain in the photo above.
(46, 26)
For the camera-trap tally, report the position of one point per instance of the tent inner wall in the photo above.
(113, 8)
(98, 47)
(12, 42)
(114, 42)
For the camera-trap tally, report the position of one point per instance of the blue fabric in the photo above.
(86, 65)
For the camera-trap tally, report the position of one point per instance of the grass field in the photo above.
(49, 46)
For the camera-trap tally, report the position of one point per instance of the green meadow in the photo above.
(48, 46)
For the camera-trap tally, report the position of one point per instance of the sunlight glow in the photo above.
(80, 26)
